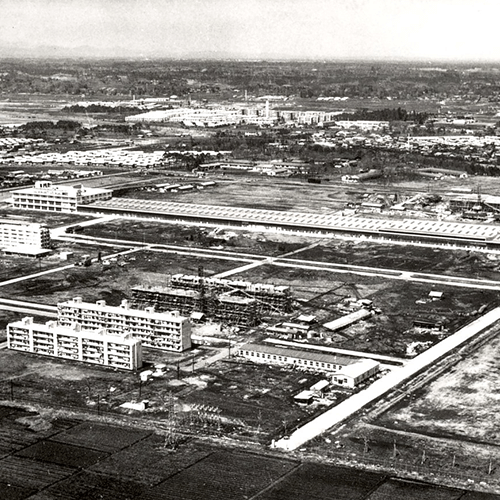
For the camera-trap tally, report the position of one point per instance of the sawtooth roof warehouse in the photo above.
(406, 229)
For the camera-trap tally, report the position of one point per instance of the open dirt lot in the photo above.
(461, 404)
(323, 294)
(402, 257)
(113, 282)
(195, 237)
(258, 192)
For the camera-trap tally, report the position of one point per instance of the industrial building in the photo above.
(347, 371)
(57, 198)
(24, 237)
(321, 224)
(72, 342)
(168, 330)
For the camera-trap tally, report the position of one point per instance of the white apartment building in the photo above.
(90, 346)
(57, 198)
(166, 330)
(17, 234)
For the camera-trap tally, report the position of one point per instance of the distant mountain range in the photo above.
(90, 52)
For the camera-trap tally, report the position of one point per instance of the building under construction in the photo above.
(269, 298)
(168, 299)
(226, 307)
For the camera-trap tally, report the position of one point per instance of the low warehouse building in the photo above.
(352, 375)
(348, 370)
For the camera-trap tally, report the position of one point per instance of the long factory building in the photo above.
(395, 229)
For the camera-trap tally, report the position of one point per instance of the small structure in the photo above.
(347, 320)
(352, 375)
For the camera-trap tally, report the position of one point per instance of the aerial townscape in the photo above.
(231, 275)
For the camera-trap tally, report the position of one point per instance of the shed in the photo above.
(304, 397)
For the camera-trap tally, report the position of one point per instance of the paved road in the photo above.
(385, 384)
(28, 308)
(254, 260)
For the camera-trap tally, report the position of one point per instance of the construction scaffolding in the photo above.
(168, 299)
(228, 308)
(270, 299)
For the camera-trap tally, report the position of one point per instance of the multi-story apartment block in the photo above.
(90, 346)
(57, 198)
(168, 330)
(15, 234)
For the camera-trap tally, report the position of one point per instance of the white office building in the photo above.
(57, 198)
(72, 342)
(166, 330)
(23, 237)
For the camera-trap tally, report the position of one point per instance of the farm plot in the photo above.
(20, 428)
(324, 482)
(62, 454)
(101, 437)
(11, 492)
(87, 485)
(150, 461)
(222, 475)
(394, 488)
(32, 474)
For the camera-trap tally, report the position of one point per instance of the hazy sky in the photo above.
(324, 29)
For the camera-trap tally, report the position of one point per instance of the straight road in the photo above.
(254, 260)
(387, 383)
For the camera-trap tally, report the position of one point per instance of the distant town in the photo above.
(215, 264)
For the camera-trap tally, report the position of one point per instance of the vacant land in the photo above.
(259, 192)
(239, 398)
(452, 262)
(460, 404)
(109, 282)
(324, 294)
(196, 237)
(49, 219)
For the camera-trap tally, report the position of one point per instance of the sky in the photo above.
(255, 29)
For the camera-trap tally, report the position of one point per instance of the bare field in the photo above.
(323, 294)
(452, 262)
(113, 282)
(461, 404)
(259, 192)
(49, 219)
(195, 237)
